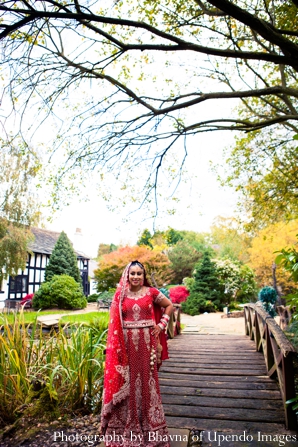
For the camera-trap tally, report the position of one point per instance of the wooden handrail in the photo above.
(174, 323)
(278, 353)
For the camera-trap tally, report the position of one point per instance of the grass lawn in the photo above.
(29, 317)
(89, 317)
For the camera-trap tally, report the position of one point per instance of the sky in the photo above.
(202, 199)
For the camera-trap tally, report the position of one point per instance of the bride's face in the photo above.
(136, 276)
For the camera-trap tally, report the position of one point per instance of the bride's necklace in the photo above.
(135, 294)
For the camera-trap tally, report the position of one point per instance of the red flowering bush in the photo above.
(178, 294)
(27, 300)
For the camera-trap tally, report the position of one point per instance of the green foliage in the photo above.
(14, 241)
(238, 280)
(63, 260)
(173, 236)
(106, 296)
(183, 257)
(229, 240)
(263, 169)
(103, 249)
(206, 293)
(188, 283)
(145, 239)
(67, 369)
(196, 304)
(18, 210)
(268, 297)
(92, 298)
(62, 292)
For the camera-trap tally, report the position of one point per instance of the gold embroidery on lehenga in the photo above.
(147, 337)
(136, 312)
(135, 335)
(138, 387)
(155, 411)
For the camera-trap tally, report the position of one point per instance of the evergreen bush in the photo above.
(93, 297)
(63, 260)
(62, 292)
(268, 297)
(206, 292)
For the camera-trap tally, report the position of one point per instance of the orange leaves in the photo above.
(112, 264)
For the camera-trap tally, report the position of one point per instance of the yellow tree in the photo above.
(263, 253)
(229, 240)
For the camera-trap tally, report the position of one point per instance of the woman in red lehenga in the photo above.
(132, 413)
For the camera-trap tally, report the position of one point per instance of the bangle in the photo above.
(160, 325)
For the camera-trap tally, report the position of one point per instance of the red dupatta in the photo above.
(116, 374)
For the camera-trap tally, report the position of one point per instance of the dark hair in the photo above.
(139, 264)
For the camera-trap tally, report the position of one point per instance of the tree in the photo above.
(207, 292)
(244, 50)
(145, 239)
(63, 260)
(229, 240)
(238, 280)
(183, 257)
(173, 236)
(263, 253)
(18, 210)
(103, 249)
(263, 168)
(111, 266)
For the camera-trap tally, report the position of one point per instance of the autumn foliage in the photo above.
(178, 294)
(263, 251)
(111, 266)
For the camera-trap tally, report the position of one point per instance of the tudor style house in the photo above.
(29, 280)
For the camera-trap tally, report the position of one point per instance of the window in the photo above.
(18, 284)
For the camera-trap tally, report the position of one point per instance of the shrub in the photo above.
(188, 282)
(178, 294)
(268, 297)
(62, 292)
(93, 297)
(197, 304)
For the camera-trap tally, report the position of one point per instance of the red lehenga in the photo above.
(132, 414)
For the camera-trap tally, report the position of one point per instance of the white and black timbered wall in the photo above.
(29, 281)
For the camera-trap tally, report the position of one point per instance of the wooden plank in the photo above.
(216, 364)
(225, 425)
(221, 357)
(228, 402)
(218, 371)
(217, 361)
(176, 378)
(247, 385)
(234, 414)
(239, 394)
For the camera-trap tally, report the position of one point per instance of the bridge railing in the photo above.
(278, 353)
(174, 323)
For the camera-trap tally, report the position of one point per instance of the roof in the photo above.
(45, 240)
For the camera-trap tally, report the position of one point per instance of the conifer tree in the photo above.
(206, 293)
(63, 260)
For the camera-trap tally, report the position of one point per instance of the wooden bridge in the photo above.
(222, 385)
